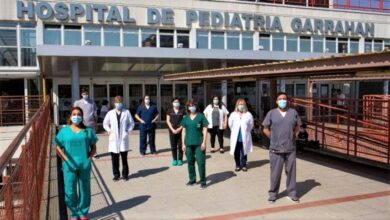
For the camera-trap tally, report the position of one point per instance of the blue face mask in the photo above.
(282, 104)
(76, 119)
(192, 109)
(119, 106)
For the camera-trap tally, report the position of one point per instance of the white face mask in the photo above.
(176, 104)
(147, 101)
(85, 97)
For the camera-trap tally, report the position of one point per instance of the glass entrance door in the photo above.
(115, 90)
(135, 97)
(100, 95)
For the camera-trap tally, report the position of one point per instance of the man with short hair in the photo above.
(280, 126)
(89, 109)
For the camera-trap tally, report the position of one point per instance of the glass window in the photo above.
(264, 42)
(92, 35)
(166, 38)
(135, 97)
(28, 37)
(330, 45)
(198, 95)
(111, 36)
(166, 98)
(28, 56)
(318, 44)
(304, 44)
(72, 35)
(151, 91)
(292, 43)
(290, 90)
(8, 56)
(149, 37)
(183, 39)
(354, 46)
(130, 37)
(233, 40)
(247, 41)
(378, 45)
(8, 38)
(277, 42)
(181, 93)
(342, 45)
(52, 34)
(387, 44)
(8, 24)
(217, 40)
(202, 39)
(301, 90)
(368, 45)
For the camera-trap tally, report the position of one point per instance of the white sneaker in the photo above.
(293, 199)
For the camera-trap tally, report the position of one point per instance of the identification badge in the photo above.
(198, 126)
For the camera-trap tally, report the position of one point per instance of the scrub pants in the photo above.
(77, 178)
(215, 131)
(145, 130)
(193, 153)
(277, 160)
(115, 164)
(239, 157)
(176, 146)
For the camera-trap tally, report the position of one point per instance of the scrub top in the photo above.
(76, 145)
(194, 128)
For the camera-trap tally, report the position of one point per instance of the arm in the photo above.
(183, 140)
(231, 121)
(203, 146)
(267, 132)
(92, 152)
(61, 153)
(131, 122)
(251, 122)
(106, 123)
(169, 124)
(137, 115)
(225, 119)
(155, 119)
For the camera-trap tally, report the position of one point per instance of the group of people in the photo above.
(188, 129)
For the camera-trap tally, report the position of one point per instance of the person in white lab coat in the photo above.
(241, 124)
(118, 123)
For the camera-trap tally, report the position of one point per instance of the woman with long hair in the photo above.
(216, 114)
(194, 142)
(241, 124)
(174, 117)
(76, 145)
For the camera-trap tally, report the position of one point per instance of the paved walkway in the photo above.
(328, 188)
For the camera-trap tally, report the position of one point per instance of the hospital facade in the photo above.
(125, 47)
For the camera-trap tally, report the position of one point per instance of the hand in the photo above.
(184, 148)
(224, 126)
(174, 131)
(142, 122)
(203, 146)
(92, 153)
(178, 131)
(109, 133)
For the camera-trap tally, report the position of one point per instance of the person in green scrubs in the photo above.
(76, 145)
(194, 135)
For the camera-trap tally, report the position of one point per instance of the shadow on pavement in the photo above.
(147, 172)
(303, 187)
(119, 206)
(257, 163)
(220, 177)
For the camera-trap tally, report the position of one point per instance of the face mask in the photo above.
(147, 101)
(76, 119)
(119, 105)
(176, 104)
(302, 130)
(282, 104)
(192, 109)
(85, 97)
(240, 108)
(215, 101)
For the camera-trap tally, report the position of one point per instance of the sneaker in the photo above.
(221, 150)
(293, 199)
(212, 150)
(244, 169)
(190, 183)
(203, 186)
(116, 178)
(271, 200)
(174, 162)
(180, 163)
(237, 169)
(125, 178)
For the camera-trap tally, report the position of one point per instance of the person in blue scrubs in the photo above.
(76, 144)
(147, 114)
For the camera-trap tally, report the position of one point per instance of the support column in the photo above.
(282, 85)
(75, 80)
(259, 95)
(386, 87)
(309, 111)
(272, 93)
(224, 92)
(26, 100)
(44, 92)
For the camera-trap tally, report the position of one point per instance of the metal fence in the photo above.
(17, 110)
(22, 177)
(359, 129)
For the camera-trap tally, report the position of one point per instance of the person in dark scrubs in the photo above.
(281, 126)
(147, 114)
(174, 117)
